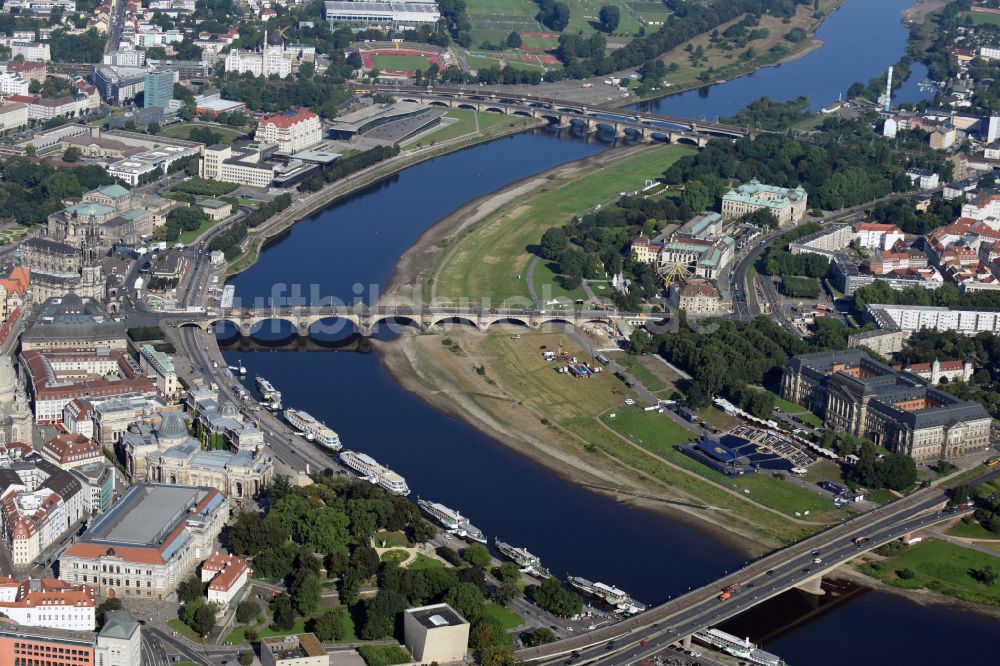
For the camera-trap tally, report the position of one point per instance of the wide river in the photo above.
(351, 248)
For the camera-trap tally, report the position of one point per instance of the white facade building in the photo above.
(293, 131)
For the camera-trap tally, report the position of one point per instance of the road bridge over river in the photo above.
(642, 125)
(366, 318)
(676, 620)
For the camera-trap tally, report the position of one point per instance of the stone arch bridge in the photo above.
(365, 319)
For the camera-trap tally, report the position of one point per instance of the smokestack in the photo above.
(888, 90)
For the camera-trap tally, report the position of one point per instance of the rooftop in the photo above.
(437, 615)
(295, 646)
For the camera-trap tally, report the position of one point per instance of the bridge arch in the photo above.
(471, 107)
(438, 103)
(569, 109)
(330, 328)
(516, 321)
(523, 113)
(495, 109)
(409, 99)
(272, 329)
(552, 118)
(397, 320)
(686, 140)
(464, 321)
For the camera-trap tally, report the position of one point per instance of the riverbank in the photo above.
(304, 207)
(412, 362)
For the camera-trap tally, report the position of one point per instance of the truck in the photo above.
(860, 541)
(138, 285)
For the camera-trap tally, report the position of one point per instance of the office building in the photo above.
(883, 343)
(856, 394)
(293, 131)
(159, 367)
(70, 451)
(158, 89)
(13, 116)
(118, 643)
(148, 542)
(435, 634)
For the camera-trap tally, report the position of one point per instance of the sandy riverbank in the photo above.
(521, 430)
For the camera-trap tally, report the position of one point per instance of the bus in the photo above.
(993, 462)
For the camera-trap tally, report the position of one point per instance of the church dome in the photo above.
(229, 409)
(172, 428)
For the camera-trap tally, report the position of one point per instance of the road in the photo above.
(761, 579)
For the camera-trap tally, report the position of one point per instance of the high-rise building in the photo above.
(158, 89)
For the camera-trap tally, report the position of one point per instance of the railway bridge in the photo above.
(642, 125)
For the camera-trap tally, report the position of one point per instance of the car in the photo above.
(629, 401)
(610, 645)
(644, 643)
(817, 560)
(806, 570)
(770, 572)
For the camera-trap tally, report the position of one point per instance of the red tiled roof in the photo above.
(286, 120)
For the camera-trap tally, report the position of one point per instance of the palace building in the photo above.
(898, 410)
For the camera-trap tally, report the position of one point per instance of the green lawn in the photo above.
(983, 18)
(300, 627)
(489, 262)
(940, 566)
(183, 131)
(424, 562)
(237, 636)
(637, 365)
(188, 237)
(658, 434)
(545, 43)
(798, 411)
(187, 632)
(508, 619)
(395, 556)
(12, 234)
(464, 123)
(402, 63)
(550, 285)
(392, 540)
(881, 496)
(971, 530)
(718, 418)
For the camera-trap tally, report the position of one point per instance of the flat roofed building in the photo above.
(392, 13)
(787, 204)
(435, 634)
(148, 542)
(13, 116)
(856, 394)
(294, 650)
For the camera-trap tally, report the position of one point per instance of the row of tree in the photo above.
(229, 240)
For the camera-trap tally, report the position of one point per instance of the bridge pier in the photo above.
(813, 586)
(619, 131)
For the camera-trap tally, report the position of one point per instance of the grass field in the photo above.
(465, 123)
(940, 566)
(544, 43)
(718, 418)
(392, 540)
(183, 131)
(493, 20)
(983, 18)
(478, 62)
(489, 262)
(300, 627)
(424, 562)
(549, 285)
(657, 433)
(573, 408)
(402, 63)
(187, 632)
(642, 369)
(508, 619)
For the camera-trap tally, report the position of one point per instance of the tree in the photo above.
(514, 40)
(247, 611)
(554, 243)
(204, 619)
(610, 17)
(284, 614)
(640, 342)
(331, 625)
(246, 657)
(508, 573)
(553, 597)
(307, 594)
(153, 128)
(541, 636)
(467, 599)
(477, 554)
(71, 154)
(190, 589)
(380, 614)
